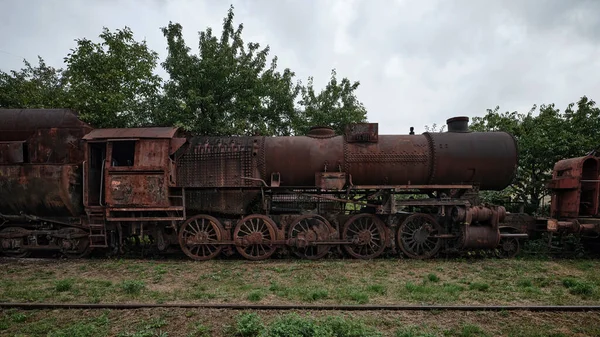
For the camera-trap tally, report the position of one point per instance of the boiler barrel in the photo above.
(488, 159)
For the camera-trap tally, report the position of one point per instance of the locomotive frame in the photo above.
(254, 195)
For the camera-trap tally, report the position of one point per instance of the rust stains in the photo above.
(20, 124)
(575, 187)
(154, 132)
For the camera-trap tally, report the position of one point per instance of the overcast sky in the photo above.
(419, 62)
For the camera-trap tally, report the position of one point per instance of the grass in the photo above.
(389, 281)
(202, 323)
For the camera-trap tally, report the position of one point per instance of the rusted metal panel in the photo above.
(220, 162)
(362, 132)
(131, 188)
(223, 201)
(152, 152)
(297, 159)
(486, 158)
(321, 132)
(56, 145)
(12, 152)
(330, 180)
(155, 132)
(393, 160)
(575, 187)
(20, 124)
(43, 190)
(176, 144)
(480, 237)
(566, 183)
(411, 187)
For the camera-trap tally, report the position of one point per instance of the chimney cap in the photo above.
(458, 124)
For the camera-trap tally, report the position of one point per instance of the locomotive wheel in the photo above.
(6, 243)
(308, 229)
(415, 236)
(253, 237)
(508, 248)
(76, 248)
(199, 237)
(368, 235)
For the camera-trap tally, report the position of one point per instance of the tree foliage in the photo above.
(112, 84)
(335, 106)
(232, 88)
(543, 139)
(228, 87)
(40, 86)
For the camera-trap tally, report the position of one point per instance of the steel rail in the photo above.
(341, 307)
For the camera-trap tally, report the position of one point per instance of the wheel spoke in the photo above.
(255, 232)
(367, 232)
(198, 237)
(415, 239)
(314, 228)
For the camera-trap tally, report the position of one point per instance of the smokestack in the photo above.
(458, 124)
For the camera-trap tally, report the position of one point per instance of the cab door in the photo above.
(94, 174)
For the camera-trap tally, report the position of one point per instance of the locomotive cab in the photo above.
(130, 179)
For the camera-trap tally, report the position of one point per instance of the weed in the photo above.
(348, 327)
(413, 331)
(91, 327)
(255, 296)
(377, 288)
(433, 278)
(577, 287)
(295, 325)
(64, 285)
(18, 317)
(468, 330)
(200, 330)
(316, 294)
(524, 283)
(479, 286)
(247, 325)
(359, 297)
(133, 287)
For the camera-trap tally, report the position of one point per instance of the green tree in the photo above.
(335, 106)
(32, 87)
(228, 89)
(543, 139)
(111, 83)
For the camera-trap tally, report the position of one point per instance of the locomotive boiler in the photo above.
(71, 188)
(488, 159)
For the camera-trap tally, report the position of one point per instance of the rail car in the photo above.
(574, 205)
(71, 188)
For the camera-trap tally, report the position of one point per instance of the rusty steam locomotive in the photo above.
(68, 187)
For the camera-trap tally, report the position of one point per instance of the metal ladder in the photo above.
(97, 228)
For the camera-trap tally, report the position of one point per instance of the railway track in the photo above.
(283, 307)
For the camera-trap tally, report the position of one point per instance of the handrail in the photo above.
(85, 200)
(101, 182)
